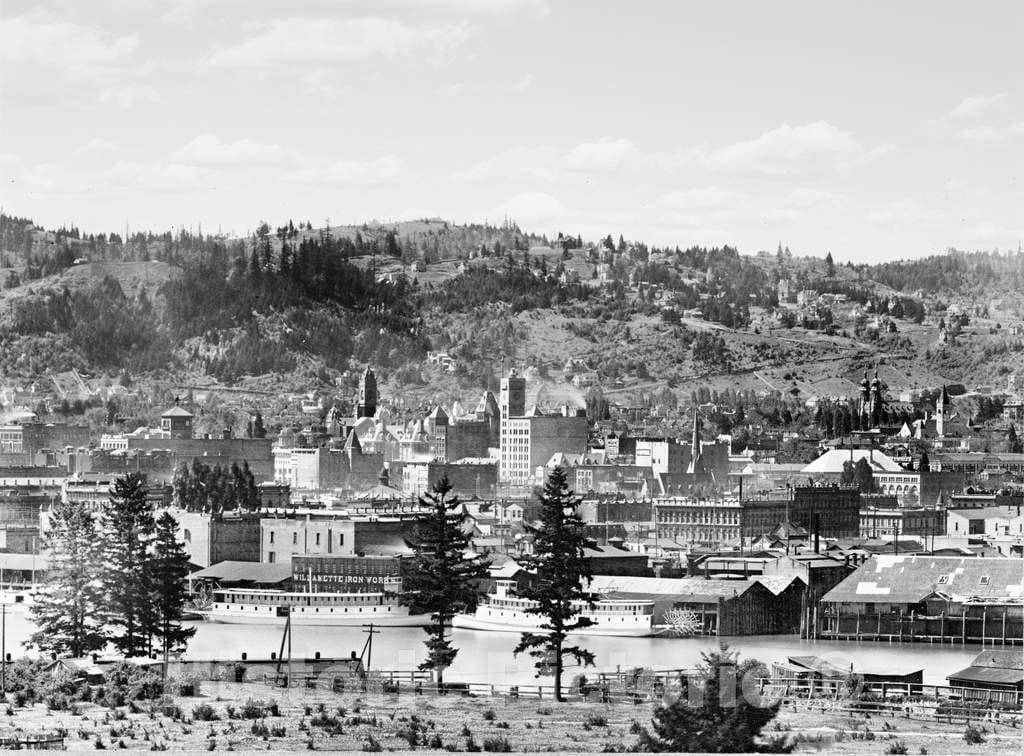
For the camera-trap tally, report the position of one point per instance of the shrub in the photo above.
(497, 745)
(545, 710)
(277, 731)
(466, 732)
(435, 742)
(259, 729)
(489, 715)
(98, 743)
(972, 735)
(372, 745)
(896, 747)
(254, 709)
(597, 720)
(204, 713)
(211, 744)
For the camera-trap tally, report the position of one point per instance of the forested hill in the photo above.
(955, 272)
(300, 305)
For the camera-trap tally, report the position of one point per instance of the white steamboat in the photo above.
(504, 611)
(264, 607)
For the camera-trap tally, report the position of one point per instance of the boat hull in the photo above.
(531, 624)
(268, 615)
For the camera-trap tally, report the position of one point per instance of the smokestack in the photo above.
(817, 531)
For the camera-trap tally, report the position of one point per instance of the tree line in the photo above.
(116, 576)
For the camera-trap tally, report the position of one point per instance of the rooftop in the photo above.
(893, 579)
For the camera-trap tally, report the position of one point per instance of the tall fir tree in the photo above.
(126, 529)
(67, 607)
(168, 569)
(560, 573)
(716, 716)
(444, 577)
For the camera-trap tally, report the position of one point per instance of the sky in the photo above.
(871, 130)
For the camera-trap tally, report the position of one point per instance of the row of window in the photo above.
(295, 538)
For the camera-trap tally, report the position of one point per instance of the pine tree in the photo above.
(168, 569)
(864, 476)
(258, 429)
(442, 578)
(66, 609)
(561, 570)
(126, 532)
(717, 717)
(1015, 446)
(924, 464)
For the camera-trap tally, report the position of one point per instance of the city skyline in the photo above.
(868, 132)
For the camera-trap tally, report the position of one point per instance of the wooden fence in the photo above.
(647, 687)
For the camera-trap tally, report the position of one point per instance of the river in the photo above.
(487, 656)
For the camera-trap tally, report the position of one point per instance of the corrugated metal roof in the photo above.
(894, 579)
(690, 588)
(254, 572)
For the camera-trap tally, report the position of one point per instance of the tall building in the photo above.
(528, 440)
(366, 404)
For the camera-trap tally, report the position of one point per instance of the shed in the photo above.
(992, 669)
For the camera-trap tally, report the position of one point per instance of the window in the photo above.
(187, 535)
(271, 536)
(983, 580)
(317, 539)
(341, 539)
(295, 539)
(943, 579)
(270, 557)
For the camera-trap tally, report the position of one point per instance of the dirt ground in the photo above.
(320, 720)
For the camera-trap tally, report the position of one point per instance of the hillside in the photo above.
(298, 309)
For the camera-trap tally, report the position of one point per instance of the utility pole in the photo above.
(368, 647)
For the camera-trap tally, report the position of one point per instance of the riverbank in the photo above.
(304, 719)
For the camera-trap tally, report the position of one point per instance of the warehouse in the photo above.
(928, 598)
(756, 606)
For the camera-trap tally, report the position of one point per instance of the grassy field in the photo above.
(314, 719)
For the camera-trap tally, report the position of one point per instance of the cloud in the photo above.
(901, 214)
(706, 198)
(160, 177)
(128, 96)
(990, 134)
(523, 83)
(516, 164)
(30, 179)
(603, 156)
(299, 40)
(207, 149)
(96, 146)
(36, 40)
(786, 150)
(533, 164)
(531, 207)
(388, 169)
(976, 106)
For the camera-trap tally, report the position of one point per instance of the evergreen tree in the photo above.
(168, 569)
(717, 716)
(442, 578)
(558, 590)
(1014, 444)
(258, 430)
(830, 266)
(126, 532)
(863, 476)
(66, 609)
(923, 464)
